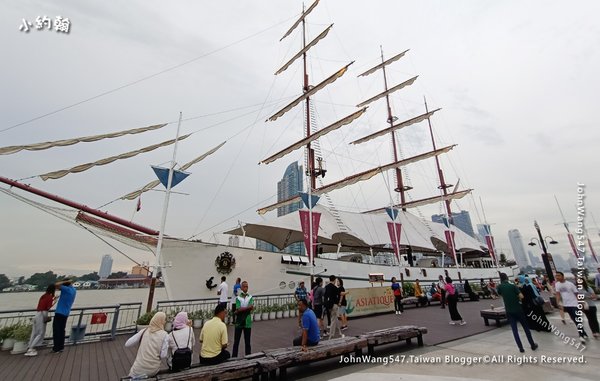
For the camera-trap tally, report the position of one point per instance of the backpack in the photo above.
(182, 357)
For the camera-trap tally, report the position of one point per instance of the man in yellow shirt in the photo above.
(213, 338)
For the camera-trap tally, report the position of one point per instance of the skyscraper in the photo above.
(105, 267)
(290, 185)
(461, 220)
(518, 248)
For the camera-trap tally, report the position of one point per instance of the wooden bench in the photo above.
(497, 314)
(394, 334)
(413, 301)
(264, 365)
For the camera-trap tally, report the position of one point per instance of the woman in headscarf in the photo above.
(181, 337)
(154, 343)
(539, 322)
(472, 296)
(452, 297)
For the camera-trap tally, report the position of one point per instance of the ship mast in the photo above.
(399, 181)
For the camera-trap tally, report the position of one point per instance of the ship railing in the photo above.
(207, 306)
(84, 323)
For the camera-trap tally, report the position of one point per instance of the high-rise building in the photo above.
(482, 231)
(105, 267)
(518, 248)
(140, 270)
(290, 185)
(461, 220)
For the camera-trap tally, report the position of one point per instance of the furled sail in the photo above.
(395, 127)
(360, 177)
(393, 89)
(426, 201)
(84, 167)
(300, 19)
(154, 184)
(310, 92)
(381, 65)
(347, 120)
(300, 53)
(67, 142)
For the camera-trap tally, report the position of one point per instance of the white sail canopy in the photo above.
(347, 120)
(395, 127)
(67, 142)
(310, 92)
(154, 184)
(302, 17)
(84, 167)
(385, 63)
(393, 89)
(301, 52)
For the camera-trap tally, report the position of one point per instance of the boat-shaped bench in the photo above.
(497, 314)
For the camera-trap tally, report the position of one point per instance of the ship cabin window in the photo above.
(294, 260)
(424, 272)
(407, 271)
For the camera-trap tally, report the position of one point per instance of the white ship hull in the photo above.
(191, 264)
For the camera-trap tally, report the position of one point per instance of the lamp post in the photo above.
(546, 257)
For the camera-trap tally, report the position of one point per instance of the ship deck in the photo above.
(110, 360)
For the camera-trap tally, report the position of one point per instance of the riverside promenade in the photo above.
(110, 360)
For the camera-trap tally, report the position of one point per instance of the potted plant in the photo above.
(6, 334)
(278, 310)
(256, 312)
(272, 312)
(21, 334)
(144, 320)
(286, 310)
(265, 312)
(197, 318)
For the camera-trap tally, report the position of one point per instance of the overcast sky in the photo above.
(517, 83)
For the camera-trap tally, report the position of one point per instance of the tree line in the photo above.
(42, 280)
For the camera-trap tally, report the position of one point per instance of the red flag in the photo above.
(450, 241)
(395, 237)
(490, 242)
(139, 204)
(304, 221)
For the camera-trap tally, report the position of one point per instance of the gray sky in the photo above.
(517, 83)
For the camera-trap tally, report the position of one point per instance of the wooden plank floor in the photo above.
(110, 360)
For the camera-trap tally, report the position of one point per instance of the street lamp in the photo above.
(546, 257)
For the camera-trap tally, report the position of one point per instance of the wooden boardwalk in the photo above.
(110, 360)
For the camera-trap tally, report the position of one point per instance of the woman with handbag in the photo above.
(533, 304)
(40, 320)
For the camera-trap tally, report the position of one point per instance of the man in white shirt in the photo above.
(223, 291)
(566, 297)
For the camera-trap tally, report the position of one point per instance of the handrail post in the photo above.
(113, 330)
(78, 327)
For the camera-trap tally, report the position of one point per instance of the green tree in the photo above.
(21, 280)
(118, 274)
(4, 281)
(42, 280)
(90, 276)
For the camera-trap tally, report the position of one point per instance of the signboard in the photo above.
(99, 318)
(376, 278)
(369, 300)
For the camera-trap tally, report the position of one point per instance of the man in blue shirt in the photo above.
(63, 309)
(236, 291)
(310, 327)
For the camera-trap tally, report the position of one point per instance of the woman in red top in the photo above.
(41, 318)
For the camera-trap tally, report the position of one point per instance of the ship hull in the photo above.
(192, 264)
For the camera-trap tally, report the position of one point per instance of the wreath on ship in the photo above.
(225, 263)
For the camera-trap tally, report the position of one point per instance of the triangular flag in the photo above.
(393, 213)
(163, 176)
(313, 198)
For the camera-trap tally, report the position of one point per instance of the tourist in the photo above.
(545, 283)
(331, 300)
(397, 290)
(41, 318)
(452, 298)
(491, 286)
(343, 304)
(244, 305)
(222, 291)
(468, 290)
(420, 295)
(589, 307)
(334, 308)
(484, 288)
(532, 306)
(566, 297)
(154, 344)
(441, 287)
(213, 338)
(300, 292)
(310, 327)
(63, 309)
(514, 312)
(236, 291)
(318, 293)
(181, 343)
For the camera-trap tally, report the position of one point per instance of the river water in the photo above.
(84, 298)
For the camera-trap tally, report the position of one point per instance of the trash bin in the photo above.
(78, 333)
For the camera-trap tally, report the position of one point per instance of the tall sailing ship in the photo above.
(387, 240)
